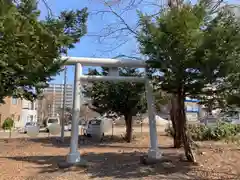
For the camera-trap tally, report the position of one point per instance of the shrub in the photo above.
(200, 132)
(8, 124)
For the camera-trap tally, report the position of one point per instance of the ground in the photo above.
(36, 159)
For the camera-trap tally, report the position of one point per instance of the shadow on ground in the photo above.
(123, 165)
(114, 165)
(83, 141)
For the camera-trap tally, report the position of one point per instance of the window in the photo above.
(28, 123)
(53, 121)
(14, 100)
(95, 122)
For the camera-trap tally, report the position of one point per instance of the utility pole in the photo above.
(63, 103)
(53, 104)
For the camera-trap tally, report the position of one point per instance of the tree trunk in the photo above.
(176, 133)
(183, 126)
(10, 132)
(128, 122)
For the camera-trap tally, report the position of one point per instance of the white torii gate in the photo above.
(74, 155)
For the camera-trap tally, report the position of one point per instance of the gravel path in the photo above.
(36, 159)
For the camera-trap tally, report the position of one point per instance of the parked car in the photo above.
(231, 116)
(69, 126)
(235, 122)
(29, 124)
(80, 124)
(51, 120)
(95, 125)
(66, 127)
(209, 120)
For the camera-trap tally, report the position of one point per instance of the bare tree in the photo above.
(46, 105)
(122, 29)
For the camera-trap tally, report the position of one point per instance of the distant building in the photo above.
(12, 108)
(192, 107)
(52, 101)
(56, 90)
(20, 110)
(28, 113)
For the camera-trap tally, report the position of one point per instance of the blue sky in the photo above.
(89, 45)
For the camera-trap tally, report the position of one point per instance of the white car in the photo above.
(52, 120)
(29, 124)
(97, 125)
(92, 126)
(69, 125)
(209, 120)
(237, 121)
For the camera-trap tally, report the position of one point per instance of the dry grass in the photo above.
(36, 159)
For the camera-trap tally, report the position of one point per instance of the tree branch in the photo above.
(120, 31)
(50, 13)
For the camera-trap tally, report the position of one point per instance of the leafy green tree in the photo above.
(123, 98)
(234, 100)
(161, 99)
(31, 49)
(194, 47)
(213, 99)
(232, 95)
(8, 124)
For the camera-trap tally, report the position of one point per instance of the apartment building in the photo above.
(20, 110)
(57, 93)
(52, 101)
(28, 113)
(192, 108)
(12, 108)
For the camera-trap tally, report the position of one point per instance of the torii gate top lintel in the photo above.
(106, 62)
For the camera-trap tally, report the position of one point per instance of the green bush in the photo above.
(200, 132)
(8, 123)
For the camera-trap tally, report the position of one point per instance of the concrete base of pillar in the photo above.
(153, 157)
(73, 158)
(154, 154)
